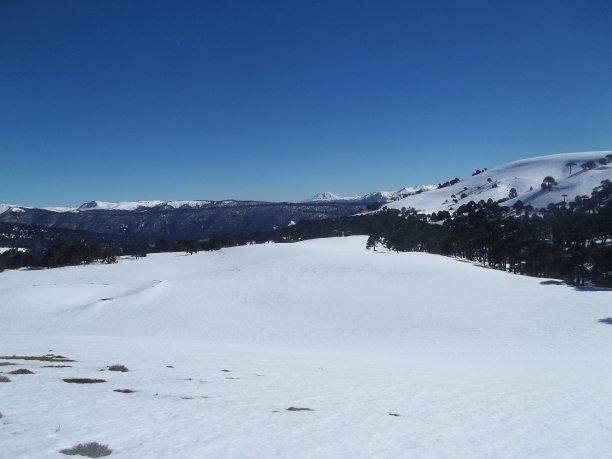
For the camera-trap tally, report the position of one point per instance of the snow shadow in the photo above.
(588, 288)
(580, 288)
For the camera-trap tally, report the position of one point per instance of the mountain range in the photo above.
(568, 175)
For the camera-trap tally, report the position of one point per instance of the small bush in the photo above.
(21, 371)
(121, 368)
(295, 408)
(124, 391)
(92, 449)
(6, 364)
(4, 379)
(83, 380)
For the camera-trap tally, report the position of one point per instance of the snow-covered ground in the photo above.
(398, 355)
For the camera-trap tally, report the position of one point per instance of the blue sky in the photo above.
(277, 100)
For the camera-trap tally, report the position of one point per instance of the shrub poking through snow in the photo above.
(21, 371)
(40, 358)
(295, 408)
(124, 391)
(83, 380)
(121, 368)
(4, 379)
(92, 449)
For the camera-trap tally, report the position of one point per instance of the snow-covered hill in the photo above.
(396, 354)
(525, 177)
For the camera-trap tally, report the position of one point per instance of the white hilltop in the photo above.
(525, 176)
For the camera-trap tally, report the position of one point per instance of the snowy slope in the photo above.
(525, 176)
(398, 355)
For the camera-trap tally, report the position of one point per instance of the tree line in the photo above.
(569, 240)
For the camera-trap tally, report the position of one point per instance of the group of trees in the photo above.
(570, 241)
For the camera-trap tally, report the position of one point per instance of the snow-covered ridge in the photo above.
(125, 206)
(523, 177)
(373, 197)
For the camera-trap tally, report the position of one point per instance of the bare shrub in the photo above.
(21, 371)
(93, 449)
(83, 380)
(295, 408)
(124, 391)
(4, 379)
(118, 367)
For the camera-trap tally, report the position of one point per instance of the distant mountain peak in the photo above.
(325, 196)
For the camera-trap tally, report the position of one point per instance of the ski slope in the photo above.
(396, 354)
(525, 176)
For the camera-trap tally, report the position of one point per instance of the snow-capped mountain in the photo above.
(574, 174)
(373, 197)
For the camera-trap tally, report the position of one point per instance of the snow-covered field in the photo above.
(397, 355)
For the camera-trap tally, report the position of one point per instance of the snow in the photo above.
(6, 249)
(374, 196)
(522, 175)
(60, 209)
(11, 208)
(329, 196)
(179, 204)
(477, 363)
(128, 205)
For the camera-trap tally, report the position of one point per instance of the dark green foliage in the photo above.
(548, 183)
(588, 165)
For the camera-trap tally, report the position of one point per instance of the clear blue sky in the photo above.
(276, 100)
